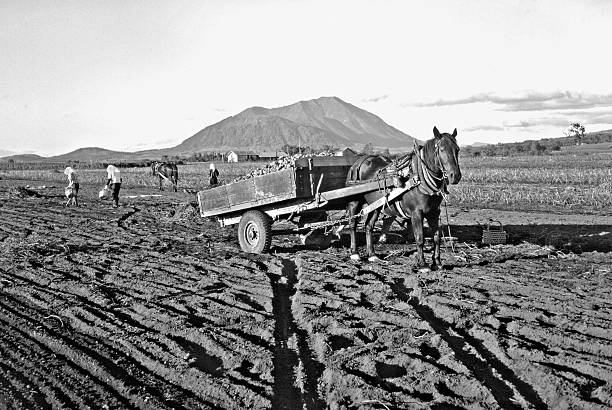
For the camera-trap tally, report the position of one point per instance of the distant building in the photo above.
(241, 156)
(268, 156)
(345, 152)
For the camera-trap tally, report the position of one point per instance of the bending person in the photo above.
(114, 179)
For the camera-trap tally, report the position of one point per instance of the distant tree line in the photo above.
(540, 147)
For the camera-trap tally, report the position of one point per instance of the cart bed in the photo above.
(300, 182)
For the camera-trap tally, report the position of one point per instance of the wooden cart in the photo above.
(302, 194)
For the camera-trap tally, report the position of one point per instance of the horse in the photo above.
(436, 164)
(166, 171)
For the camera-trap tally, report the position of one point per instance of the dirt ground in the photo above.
(149, 306)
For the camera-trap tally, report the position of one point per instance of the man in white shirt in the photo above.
(114, 178)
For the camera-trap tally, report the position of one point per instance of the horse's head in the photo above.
(447, 151)
(154, 168)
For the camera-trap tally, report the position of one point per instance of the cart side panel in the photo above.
(333, 169)
(213, 199)
(241, 192)
(247, 194)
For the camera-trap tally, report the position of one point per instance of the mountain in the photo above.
(476, 145)
(23, 158)
(6, 153)
(314, 123)
(94, 154)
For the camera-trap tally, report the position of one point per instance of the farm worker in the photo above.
(73, 184)
(114, 178)
(213, 173)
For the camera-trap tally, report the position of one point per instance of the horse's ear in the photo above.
(436, 133)
(455, 133)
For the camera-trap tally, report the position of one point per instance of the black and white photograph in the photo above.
(305, 204)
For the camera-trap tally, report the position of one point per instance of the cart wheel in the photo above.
(255, 232)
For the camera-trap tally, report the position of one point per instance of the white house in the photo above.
(240, 156)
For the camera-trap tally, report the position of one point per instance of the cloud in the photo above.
(218, 109)
(483, 128)
(532, 101)
(376, 99)
(539, 122)
(590, 117)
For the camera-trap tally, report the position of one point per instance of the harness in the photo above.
(411, 171)
(430, 183)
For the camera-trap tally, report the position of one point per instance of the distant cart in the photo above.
(302, 195)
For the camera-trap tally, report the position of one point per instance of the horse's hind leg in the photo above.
(369, 227)
(352, 208)
(417, 230)
(386, 226)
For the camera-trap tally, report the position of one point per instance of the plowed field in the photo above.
(149, 306)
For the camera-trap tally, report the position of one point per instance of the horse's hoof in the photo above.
(424, 270)
(355, 257)
(374, 259)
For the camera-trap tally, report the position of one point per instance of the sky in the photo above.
(133, 75)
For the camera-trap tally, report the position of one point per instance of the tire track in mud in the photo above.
(461, 342)
(125, 216)
(291, 351)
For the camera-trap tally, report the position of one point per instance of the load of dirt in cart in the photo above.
(280, 164)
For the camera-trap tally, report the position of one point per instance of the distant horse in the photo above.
(166, 171)
(436, 164)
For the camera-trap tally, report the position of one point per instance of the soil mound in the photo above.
(23, 192)
(184, 211)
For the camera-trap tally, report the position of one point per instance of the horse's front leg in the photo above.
(160, 184)
(369, 227)
(434, 223)
(352, 208)
(417, 230)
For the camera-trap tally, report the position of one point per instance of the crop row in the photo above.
(570, 176)
(469, 193)
(592, 161)
(485, 182)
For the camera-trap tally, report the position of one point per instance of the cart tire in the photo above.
(255, 232)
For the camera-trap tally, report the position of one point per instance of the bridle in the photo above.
(435, 184)
(437, 155)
